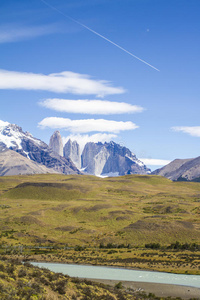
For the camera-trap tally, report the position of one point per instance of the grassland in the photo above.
(90, 213)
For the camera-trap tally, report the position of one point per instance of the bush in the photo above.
(153, 246)
(60, 287)
(112, 251)
(10, 269)
(119, 285)
(22, 273)
(79, 248)
(2, 268)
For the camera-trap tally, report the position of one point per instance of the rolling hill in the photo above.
(86, 210)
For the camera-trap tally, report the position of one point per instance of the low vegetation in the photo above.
(25, 282)
(87, 211)
(165, 260)
(146, 222)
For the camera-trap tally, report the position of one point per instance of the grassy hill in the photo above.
(87, 211)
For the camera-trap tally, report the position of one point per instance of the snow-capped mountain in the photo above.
(13, 137)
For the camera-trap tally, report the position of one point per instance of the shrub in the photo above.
(22, 273)
(153, 246)
(60, 287)
(112, 251)
(119, 285)
(79, 248)
(2, 268)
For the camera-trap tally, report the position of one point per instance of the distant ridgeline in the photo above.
(181, 170)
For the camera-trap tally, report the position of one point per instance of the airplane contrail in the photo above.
(98, 34)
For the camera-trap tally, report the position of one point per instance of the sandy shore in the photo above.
(159, 289)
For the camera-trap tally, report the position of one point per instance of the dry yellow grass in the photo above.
(131, 209)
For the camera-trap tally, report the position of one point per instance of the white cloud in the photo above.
(83, 139)
(191, 130)
(13, 32)
(97, 107)
(155, 162)
(64, 82)
(88, 125)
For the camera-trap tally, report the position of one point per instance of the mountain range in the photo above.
(100, 159)
(108, 159)
(21, 153)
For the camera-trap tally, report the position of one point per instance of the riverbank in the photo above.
(150, 283)
(170, 261)
(16, 276)
(158, 289)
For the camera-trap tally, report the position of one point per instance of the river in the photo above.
(121, 274)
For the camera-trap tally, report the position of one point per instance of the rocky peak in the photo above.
(56, 143)
(72, 150)
(111, 158)
(119, 150)
(89, 152)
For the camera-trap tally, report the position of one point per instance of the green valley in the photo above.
(134, 221)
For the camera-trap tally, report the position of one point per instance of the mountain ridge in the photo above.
(102, 159)
(14, 138)
(181, 170)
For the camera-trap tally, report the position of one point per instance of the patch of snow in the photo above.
(131, 158)
(135, 160)
(36, 141)
(28, 134)
(83, 169)
(111, 174)
(11, 140)
(3, 124)
(27, 154)
(140, 163)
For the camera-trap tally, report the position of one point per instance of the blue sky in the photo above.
(162, 119)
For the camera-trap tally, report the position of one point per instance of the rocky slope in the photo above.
(181, 169)
(12, 163)
(12, 137)
(111, 158)
(94, 158)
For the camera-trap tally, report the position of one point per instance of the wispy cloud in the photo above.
(83, 139)
(13, 33)
(155, 162)
(64, 82)
(191, 130)
(97, 107)
(88, 125)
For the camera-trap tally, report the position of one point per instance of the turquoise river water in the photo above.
(120, 274)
